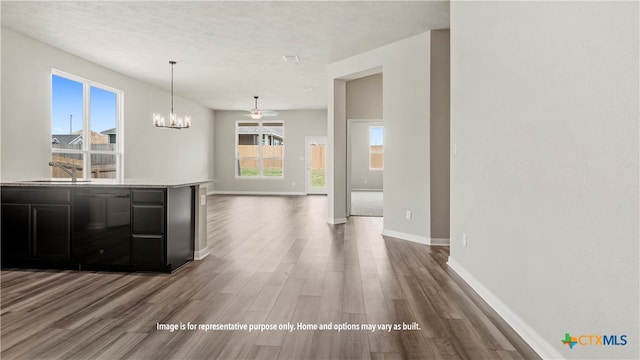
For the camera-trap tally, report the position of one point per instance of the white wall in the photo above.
(297, 125)
(150, 153)
(405, 67)
(544, 112)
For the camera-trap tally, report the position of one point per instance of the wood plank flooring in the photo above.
(274, 260)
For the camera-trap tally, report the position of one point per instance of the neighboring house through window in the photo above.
(86, 121)
(376, 148)
(259, 149)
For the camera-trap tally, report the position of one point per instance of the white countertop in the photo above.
(136, 183)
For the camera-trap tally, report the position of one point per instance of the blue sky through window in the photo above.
(66, 96)
(376, 136)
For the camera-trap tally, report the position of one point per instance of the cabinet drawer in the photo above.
(148, 219)
(36, 196)
(148, 196)
(148, 251)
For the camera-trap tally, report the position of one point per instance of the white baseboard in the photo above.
(335, 221)
(404, 236)
(370, 190)
(416, 238)
(200, 254)
(277, 193)
(439, 242)
(537, 342)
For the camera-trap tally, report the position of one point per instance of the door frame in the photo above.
(308, 140)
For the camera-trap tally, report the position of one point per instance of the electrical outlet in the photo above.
(293, 183)
(408, 214)
(455, 149)
(464, 239)
(203, 200)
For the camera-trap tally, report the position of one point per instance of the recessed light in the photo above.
(291, 58)
(310, 88)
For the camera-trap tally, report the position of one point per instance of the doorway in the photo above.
(365, 158)
(316, 164)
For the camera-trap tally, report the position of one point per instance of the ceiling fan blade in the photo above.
(257, 113)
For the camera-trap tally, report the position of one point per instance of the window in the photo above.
(86, 122)
(260, 149)
(376, 148)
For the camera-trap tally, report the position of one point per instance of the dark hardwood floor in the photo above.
(274, 260)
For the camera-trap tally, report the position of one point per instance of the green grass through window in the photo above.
(317, 178)
(272, 172)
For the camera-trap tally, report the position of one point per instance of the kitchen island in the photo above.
(130, 225)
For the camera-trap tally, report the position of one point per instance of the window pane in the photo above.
(103, 119)
(103, 166)
(272, 149)
(67, 161)
(66, 113)
(376, 136)
(248, 149)
(318, 156)
(376, 148)
(377, 161)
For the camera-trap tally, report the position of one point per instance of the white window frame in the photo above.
(86, 124)
(260, 176)
(377, 152)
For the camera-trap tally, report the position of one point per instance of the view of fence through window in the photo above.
(260, 149)
(318, 165)
(71, 99)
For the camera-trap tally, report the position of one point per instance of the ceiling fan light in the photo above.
(256, 115)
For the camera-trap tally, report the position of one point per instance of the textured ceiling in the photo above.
(227, 51)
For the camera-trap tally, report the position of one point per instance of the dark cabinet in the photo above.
(36, 228)
(162, 228)
(16, 228)
(148, 219)
(148, 250)
(50, 237)
(103, 228)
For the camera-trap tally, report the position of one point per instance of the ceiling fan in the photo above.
(257, 114)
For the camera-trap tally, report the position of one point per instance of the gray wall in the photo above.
(149, 153)
(364, 97)
(545, 183)
(361, 177)
(297, 125)
(364, 101)
(439, 131)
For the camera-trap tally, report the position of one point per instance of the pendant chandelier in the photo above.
(175, 121)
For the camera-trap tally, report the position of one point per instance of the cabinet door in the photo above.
(15, 234)
(51, 232)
